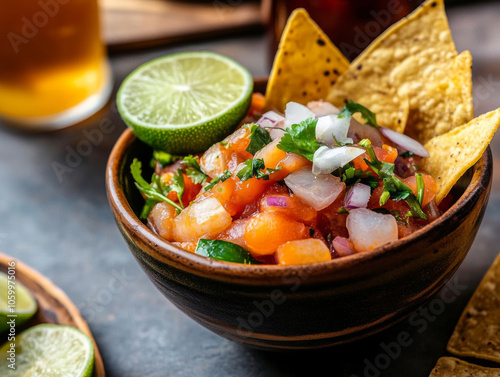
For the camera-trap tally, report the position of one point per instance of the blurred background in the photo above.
(61, 63)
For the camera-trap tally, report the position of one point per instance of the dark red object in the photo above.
(351, 24)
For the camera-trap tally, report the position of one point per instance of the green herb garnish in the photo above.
(194, 170)
(224, 177)
(395, 188)
(255, 167)
(301, 139)
(259, 138)
(352, 108)
(154, 193)
(420, 188)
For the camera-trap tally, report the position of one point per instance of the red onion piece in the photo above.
(357, 196)
(342, 246)
(405, 142)
(277, 201)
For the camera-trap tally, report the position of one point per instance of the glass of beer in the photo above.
(53, 66)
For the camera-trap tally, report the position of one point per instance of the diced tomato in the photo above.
(188, 246)
(330, 221)
(384, 154)
(295, 208)
(267, 231)
(302, 252)
(257, 105)
(430, 187)
(191, 190)
(248, 191)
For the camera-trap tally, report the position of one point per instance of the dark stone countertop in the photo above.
(64, 229)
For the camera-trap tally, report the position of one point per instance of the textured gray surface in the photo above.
(64, 229)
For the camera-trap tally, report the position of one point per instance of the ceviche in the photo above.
(305, 186)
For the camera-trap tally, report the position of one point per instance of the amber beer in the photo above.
(53, 67)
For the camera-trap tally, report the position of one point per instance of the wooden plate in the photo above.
(53, 305)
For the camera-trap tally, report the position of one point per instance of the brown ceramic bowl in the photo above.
(307, 306)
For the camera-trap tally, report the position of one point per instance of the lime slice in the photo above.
(184, 103)
(23, 305)
(49, 351)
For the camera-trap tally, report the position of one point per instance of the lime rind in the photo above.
(50, 351)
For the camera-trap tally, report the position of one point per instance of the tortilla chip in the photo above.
(306, 65)
(452, 153)
(477, 333)
(444, 101)
(396, 65)
(451, 367)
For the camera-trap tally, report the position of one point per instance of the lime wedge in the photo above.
(184, 103)
(23, 305)
(49, 351)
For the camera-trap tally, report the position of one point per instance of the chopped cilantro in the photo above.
(350, 175)
(194, 170)
(224, 177)
(342, 210)
(420, 188)
(259, 138)
(154, 193)
(352, 108)
(393, 185)
(301, 139)
(255, 167)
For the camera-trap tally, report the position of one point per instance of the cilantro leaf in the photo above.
(352, 108)
(259, 138)
(194, 170)
(301, 139)
(154, 193)
(224, 177)
(350, 175)
(255, 167)
(179, 185)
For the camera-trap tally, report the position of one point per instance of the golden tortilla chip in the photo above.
(451, 367)
(397, 65)
(452, 153)
(306, 65)
(445, 99)
(477, 333)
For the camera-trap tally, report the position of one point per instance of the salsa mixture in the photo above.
(306, 186)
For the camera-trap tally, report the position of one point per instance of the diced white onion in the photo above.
(296, 113)
(326, 160)
(405, 142)
(332, 127)
(322, 108)
(319, 191)
(369, 229)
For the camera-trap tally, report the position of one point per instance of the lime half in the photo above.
(23, 305)
(49, 351)
(184, 103)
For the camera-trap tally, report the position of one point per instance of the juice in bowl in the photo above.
(53, 66)
(321, 191)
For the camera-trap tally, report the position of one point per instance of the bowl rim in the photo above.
(165, 252)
